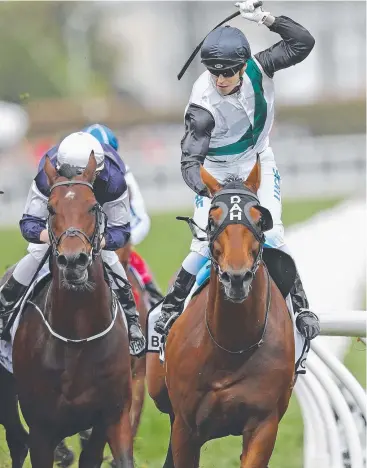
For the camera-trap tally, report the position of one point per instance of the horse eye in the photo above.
(261, 223)
(51, 210)
(93, 209)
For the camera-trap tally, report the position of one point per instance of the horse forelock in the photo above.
(68, 171)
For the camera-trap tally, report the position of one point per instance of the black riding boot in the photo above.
(154, 293)
(174, 302)
(10, 294)
(137, 339)
(306, 321)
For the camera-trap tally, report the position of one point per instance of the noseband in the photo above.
(95, 240)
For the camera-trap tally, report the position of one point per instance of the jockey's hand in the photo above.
(251, 13)
(103, 243)
(44, 237)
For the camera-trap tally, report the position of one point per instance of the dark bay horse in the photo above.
(63, 454)
(71, 352)
(229, 361)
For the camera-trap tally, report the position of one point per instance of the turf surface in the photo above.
(165, 248)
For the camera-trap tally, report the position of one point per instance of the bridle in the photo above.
(94, 241)
(235, 201)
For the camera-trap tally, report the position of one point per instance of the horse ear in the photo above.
(211, 182)
(254, 178)
(90, 171)
(50, 171)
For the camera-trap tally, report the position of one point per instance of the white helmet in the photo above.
(76, 148)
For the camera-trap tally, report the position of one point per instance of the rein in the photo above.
(116, 307)
(261, 341)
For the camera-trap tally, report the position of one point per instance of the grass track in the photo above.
(165, 248)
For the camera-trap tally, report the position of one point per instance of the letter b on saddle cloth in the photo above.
(235, 201)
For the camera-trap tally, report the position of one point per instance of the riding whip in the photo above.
(193, 55)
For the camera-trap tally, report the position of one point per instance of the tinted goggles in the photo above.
(227, 73)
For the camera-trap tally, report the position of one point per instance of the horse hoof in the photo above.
(64, 457)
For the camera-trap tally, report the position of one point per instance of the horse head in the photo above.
(235, 230)
(75, 221)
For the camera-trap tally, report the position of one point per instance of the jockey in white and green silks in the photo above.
(227, 123)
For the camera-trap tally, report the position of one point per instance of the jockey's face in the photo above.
(225, 85)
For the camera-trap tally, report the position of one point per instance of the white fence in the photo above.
(332, 401)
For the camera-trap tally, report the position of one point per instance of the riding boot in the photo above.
(10, 294)
(306, 321)
(174, 302)
(136, 337)
(154, 293)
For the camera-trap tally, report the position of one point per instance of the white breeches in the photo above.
(268, 193)
(27, 267)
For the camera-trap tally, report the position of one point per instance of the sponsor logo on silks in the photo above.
(276, 184)
(199, 201)
(218, 65)
(235, 212)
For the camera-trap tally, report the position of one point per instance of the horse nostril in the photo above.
(82, 260)
(62, 261)
(225, 277)
(247, 276)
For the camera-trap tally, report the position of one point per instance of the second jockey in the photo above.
(139, 218)
(227, 123)
(111, 193)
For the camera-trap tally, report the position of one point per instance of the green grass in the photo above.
(167, 245)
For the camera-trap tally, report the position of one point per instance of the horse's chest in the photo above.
(228, 407)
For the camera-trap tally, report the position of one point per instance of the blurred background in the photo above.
(65, 65)
(116, 63)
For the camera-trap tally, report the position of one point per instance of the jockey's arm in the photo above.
(295, 46)
(139, 216)
(33, 222)
(118, 222)
(199, 124)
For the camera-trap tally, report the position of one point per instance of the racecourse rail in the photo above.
(332, 401)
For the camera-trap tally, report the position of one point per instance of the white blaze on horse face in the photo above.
(235, 212)
(70, 195)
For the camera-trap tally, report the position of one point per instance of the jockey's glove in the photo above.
(257, 15)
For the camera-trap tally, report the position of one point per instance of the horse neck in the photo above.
(79, 314)
(237, 326)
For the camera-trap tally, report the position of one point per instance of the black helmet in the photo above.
(225, 48)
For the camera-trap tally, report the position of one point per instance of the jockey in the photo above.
(111, 193)
(227, 123)
(139, 218)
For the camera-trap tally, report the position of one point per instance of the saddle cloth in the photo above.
(155, 342)
(6, 348)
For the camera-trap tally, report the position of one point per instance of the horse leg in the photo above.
(258, 444)
(93, 447)
(169, 457)
(185, 448)
(138, 393)
(17, 439)
(16, 435)
(120, 440)
(64, 457)
(42, 448)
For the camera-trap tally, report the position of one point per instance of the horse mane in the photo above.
(233, 182)
(68, 171)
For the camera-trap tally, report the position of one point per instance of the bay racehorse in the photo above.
(229, 358)
(64, 456)
(71, 351)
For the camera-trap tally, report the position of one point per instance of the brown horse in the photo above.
(229, 363)
(64, 456)
(71, 351)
